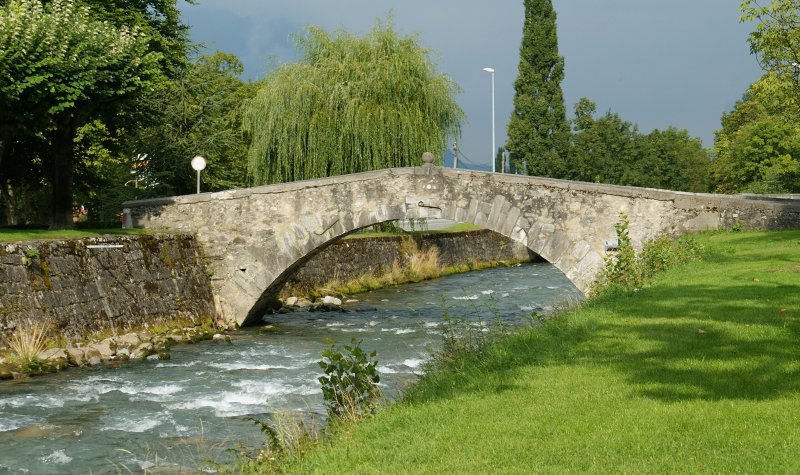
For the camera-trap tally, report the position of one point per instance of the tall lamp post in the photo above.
(494, 165)
(198, 163)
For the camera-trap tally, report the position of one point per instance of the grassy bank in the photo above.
(698, 372)
(15, 235)
(456, 228)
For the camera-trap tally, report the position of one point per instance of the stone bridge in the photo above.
(255, 238)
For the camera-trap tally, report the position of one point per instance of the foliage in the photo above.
(538, 131)
(350, 385)
(25, 345)
(611, 150)
(626, 272)
(673, 160)
(197, 113)
(758, 148)
(160, 20)
(349, 105)
(285, 436)
(664, 253)
(620, 268)
(602, 149)
(60, 69)
(776, 38)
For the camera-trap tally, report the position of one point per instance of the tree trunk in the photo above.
(4, 136)
(63, 143)
(7, 193)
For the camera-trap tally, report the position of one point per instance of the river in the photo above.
(157, 415)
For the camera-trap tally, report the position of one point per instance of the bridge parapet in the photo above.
(257, 237)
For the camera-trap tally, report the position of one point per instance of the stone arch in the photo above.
(255, 236)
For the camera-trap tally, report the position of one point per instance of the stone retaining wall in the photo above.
(107, 284)
(347, 259)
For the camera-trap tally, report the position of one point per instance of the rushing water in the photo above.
(163, 414)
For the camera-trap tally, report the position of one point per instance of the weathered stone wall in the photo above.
(350, 258)
(105, 284)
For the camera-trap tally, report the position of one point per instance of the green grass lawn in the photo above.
(697, 373)
(15, 235)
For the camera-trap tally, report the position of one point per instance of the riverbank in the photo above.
(697, 372)
(88, 298)
(174, 416)
(360, 264)
(76, 302)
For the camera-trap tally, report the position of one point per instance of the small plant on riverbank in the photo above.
(287, 435)
(422, 265)
(25, 345)
(627, 272)
(350, 385)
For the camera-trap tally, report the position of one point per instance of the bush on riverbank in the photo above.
(698, 371)
(624, 271)
(23, 350)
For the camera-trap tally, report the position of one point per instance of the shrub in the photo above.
(621, 269)
(288, 434)
(625, 271)
(25, 345)
(350, 385)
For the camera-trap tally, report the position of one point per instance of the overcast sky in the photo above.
(654, 62)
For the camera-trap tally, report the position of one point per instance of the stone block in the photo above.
(76, 356)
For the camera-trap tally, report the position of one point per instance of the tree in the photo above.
(60, 69)
(673, 160)
(349, 105)
(500, 160)
(611, 150)
(776, 38)
(538, 132)
(198, 113)
(758, 148)
(159, 20)
(602, 149)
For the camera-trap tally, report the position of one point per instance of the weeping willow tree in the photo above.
(349, 105)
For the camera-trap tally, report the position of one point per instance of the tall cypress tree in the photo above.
(538, 132)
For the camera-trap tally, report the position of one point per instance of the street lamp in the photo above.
(198, 163)
(494, 165)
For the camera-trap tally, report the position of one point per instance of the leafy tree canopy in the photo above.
(611, 150)
(758, 148)
(776, 38)
(350, 104)
(60, 68)
(159, 20)
(198, 113)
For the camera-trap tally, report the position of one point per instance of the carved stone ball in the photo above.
(428, 158)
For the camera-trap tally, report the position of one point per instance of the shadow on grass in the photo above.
(688, 342)
(737, 342)
(728, 328)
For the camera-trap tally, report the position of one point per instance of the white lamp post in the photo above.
(198, 163)
(494, 165)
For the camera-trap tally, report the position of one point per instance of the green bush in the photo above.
(350, 385)
(627, 272)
